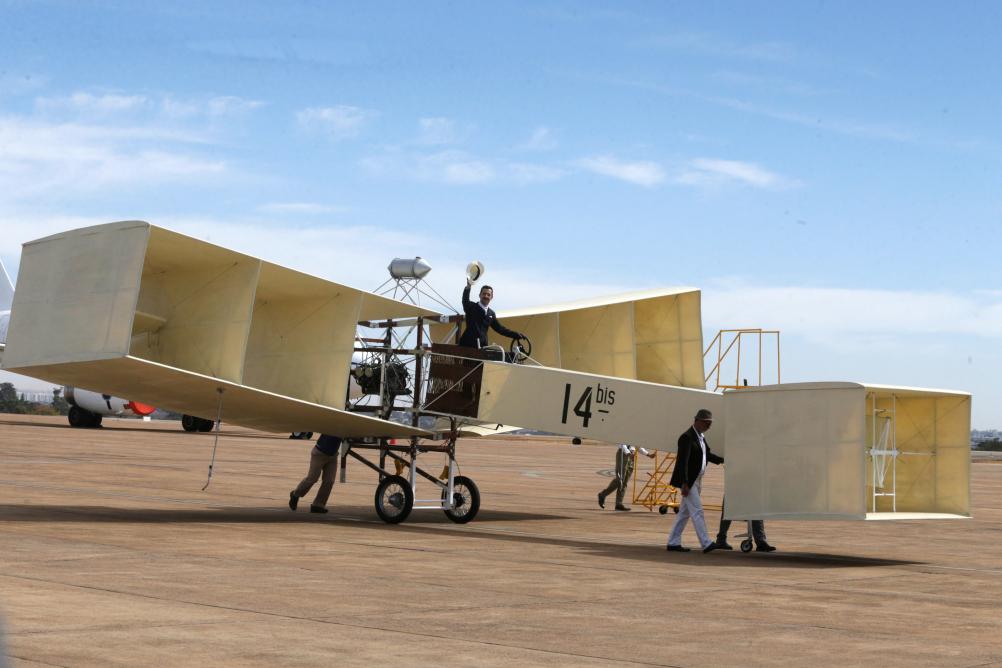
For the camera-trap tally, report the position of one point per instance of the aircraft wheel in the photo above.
(301, 435)
(663, 510)
(394, 499)
(465, 500)
(189, 422)
(77, 417)
(95, 421)
(746, 545)
(205, 425)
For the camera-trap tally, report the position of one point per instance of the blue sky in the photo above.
(828, 169)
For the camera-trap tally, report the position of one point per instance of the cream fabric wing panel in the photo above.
(105, 302)
(795, 452)
(669, 340)
(600, 407)
(846, 451)
(70, 302)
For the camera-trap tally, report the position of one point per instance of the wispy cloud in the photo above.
(525, 173)
(709, 171)
(439, 130)
(713, 45)
(337, 122)
(304, 208)
(108, 103)
(827, 312)
(541, 139)
(644, 173)
(82, 104)
(40, 157)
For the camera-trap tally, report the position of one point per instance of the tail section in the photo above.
(6, 289)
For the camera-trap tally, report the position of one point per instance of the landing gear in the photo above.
(746, 545)
(394, 499)
(465, 500)
(192, 423)
(301, 435)
(81, 418)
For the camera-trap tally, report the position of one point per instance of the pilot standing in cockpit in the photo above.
(480, 316)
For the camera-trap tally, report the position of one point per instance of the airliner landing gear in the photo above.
(192, 423)
(80, 417)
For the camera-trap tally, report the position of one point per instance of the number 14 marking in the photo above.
(582, 408)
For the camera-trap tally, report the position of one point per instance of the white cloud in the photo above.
(338, 122)
(306, 208)
(524, 173)
(541, 139)
(439, 131)
(709, 171)
(712, 45)
(827, 312)
(108, 103)
(452, 167)
(41, 157)
(642, 173)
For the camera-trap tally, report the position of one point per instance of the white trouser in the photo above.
(691, 506)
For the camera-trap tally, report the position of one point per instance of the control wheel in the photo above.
(465, 500)
(394, 499)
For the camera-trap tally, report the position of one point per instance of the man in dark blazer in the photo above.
(480, 316)
(690, 463)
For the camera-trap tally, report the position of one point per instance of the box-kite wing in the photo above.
(141, 311)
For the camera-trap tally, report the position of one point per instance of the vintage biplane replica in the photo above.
(173, 321)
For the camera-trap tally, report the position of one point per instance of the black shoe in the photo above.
(710, 548)
(620, 506)
(601, 500)
(723, 545)
(677, 548)
(765, 547)
(293, 500)
(317, 509)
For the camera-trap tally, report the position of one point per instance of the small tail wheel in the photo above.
(465, 500)
(746, 545)
(394, 499)
(663, 510)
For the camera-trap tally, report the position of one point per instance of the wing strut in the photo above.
(215, 441)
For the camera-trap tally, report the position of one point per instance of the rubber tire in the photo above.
(301, 435)
(77, 417)
(205, 425)
(663, 510)
(576, 440)
(474, 499)
(95, 421)
(385, 508)
(746, 545)
(190, 422)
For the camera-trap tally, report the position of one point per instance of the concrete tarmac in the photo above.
(111, 555)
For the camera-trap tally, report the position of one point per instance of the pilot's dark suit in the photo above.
(477, 321)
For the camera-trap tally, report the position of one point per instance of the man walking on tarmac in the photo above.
(690, 463)
(624, 469)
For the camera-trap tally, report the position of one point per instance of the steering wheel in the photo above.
(520, 349)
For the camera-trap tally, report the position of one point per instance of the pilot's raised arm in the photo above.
(480, 316)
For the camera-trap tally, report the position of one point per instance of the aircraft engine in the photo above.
(87, 408)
